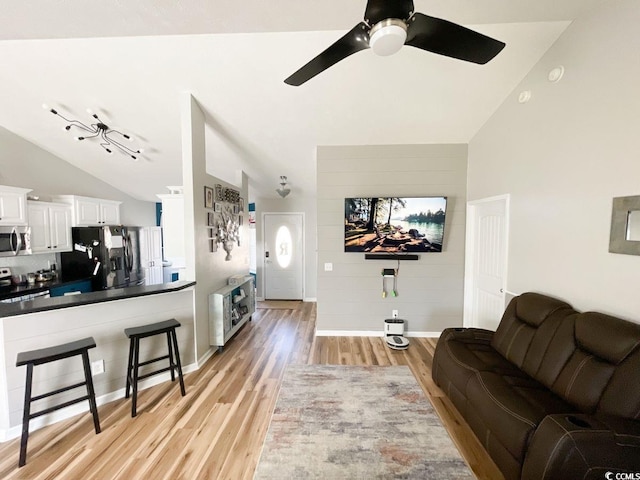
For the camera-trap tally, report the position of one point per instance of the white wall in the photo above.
(209, 269)
(23, 164)
(563, 156)
(297, 202)
(431, 288)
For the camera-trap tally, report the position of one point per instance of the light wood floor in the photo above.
(217, 430)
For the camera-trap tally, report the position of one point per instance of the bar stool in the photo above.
(51, 354)
(135, 334)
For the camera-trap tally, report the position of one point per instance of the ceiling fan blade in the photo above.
(382, 9)
(355, 40)
(450, 39)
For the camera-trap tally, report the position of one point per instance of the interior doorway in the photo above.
(283, 256)
(486, 261)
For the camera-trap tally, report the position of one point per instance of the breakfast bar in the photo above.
(103, 315)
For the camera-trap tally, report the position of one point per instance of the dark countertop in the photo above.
(55, 303)
(26, 289)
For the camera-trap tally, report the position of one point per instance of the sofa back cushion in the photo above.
(603, 372)
(529, 325)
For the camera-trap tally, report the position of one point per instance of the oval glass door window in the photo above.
(284, 245)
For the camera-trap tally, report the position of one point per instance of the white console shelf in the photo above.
(229, 309)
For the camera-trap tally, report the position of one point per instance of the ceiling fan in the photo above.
(389, 24)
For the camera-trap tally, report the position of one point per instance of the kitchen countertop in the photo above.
(18, 290)
(46, 304)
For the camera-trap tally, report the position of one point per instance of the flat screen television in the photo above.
(394, 224)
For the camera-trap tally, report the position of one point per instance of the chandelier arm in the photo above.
(81, 126)
(118, 145)
(95, 134)
(119, 133)
(73, 123)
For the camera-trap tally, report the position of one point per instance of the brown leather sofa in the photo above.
(552, 394)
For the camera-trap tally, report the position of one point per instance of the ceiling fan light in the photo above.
(387, 36)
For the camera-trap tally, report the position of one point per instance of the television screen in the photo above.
(394, 225)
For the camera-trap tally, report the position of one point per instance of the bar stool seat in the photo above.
(51, 354)
(134, 334)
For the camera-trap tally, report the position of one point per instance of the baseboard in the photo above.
(79, 408)
(207, 355)
(310, 299)
(371, 333)
(259, 299)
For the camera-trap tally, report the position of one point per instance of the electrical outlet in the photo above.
(394, 313)
(97, 367)
(328, 267)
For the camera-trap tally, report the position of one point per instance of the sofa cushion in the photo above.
(529, 322)
(511, 407)
(460, 353)
(606, 337)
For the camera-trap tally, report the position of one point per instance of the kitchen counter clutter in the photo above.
(56, 287)
(55, 303)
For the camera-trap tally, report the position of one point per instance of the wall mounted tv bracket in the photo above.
(386, 273)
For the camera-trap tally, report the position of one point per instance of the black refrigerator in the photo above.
(108, 255)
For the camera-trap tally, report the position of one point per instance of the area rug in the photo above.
(347, 422)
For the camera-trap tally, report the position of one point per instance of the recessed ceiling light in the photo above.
(556, 74)
(524, 96)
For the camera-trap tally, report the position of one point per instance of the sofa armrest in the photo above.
(582, 446)
(467, 335)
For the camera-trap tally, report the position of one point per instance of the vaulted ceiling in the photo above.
(130, 60)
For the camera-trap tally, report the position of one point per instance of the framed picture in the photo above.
(240, 220)
(219, 196)
(211, 232)
(241, 204)
(208, 197)
(211, 221)
(213, 245)
(217, 207)
(236, 209)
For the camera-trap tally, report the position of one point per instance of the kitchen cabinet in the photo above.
(151, 255)
(13, 205)
(229, 309)
(89, 212)
(50, 227)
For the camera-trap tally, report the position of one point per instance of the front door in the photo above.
(283, 262)
(486, 262)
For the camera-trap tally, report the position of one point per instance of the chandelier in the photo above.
(99, 130)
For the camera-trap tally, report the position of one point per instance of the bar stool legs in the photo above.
(167, 327)
(51, 354)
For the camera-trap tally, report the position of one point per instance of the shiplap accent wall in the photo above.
(431, 288)
(105, 322)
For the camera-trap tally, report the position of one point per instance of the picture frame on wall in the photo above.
(241, 204)
(217, 207)
(208, 197)
(211, 220)
(219, 196)
(213, 245)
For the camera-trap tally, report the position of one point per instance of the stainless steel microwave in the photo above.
(15, 241)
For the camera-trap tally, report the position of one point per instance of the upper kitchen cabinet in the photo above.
(89, 212)
(13, 205)
(50, 227)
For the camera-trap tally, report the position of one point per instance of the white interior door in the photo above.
(486, 264)
(283, 262)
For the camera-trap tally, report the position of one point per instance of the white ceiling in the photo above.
(233, 57)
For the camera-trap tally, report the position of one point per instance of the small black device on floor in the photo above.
(394, 334)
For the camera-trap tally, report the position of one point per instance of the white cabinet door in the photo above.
(40, 230)
(151, 245)
(110, 213)
(87, 212)
(13, 208)
(60, 225)
(50, 227)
